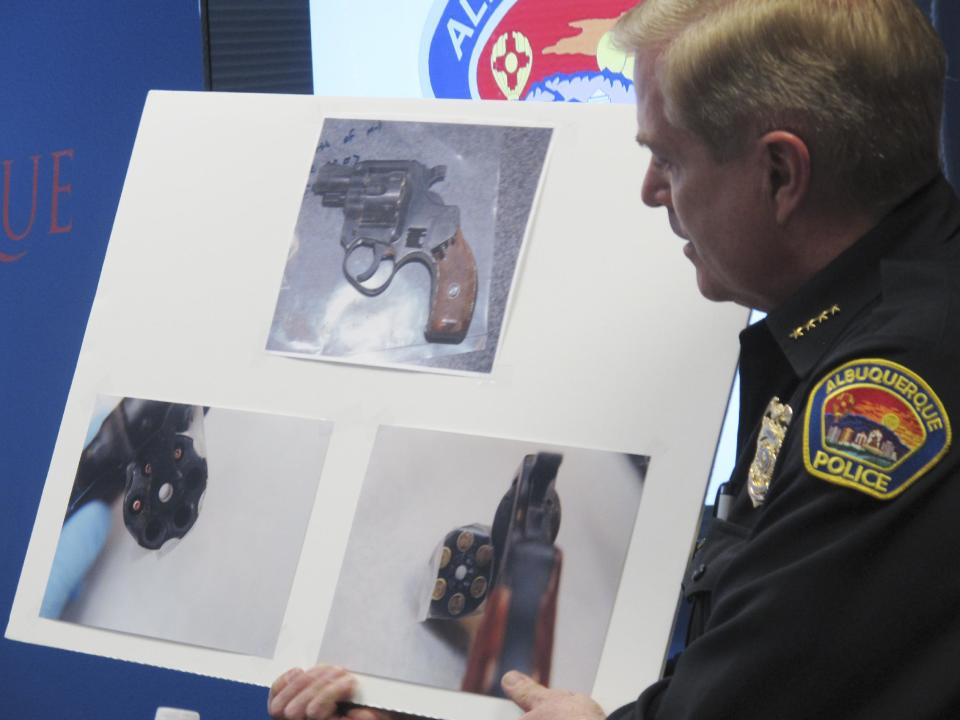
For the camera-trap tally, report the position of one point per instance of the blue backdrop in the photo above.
(74, 78)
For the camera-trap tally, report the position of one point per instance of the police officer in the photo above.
(794, 147)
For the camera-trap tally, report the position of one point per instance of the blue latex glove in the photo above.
(81, 540)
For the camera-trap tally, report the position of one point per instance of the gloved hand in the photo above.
(81, 541)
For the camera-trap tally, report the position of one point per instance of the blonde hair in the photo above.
(860, 81)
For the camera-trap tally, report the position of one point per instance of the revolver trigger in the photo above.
(369, 272)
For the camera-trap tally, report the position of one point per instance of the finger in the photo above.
(298, 683)
(281, 682)
(320, 701)
(317, 686)
(523, 690)
(294, 684)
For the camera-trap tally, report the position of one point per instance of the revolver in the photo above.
(391, 215)
(509, 574)
(516, 632)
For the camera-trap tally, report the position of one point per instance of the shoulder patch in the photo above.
(874, 426)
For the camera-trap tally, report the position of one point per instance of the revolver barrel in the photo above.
(332, 185)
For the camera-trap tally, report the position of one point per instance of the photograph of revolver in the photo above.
(509, 573)
(391, 216)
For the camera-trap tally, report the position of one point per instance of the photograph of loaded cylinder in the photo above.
(470, 555)
(177, 510)
(407, 242)
(462, 572)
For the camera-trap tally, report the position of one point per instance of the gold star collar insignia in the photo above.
(814, 322)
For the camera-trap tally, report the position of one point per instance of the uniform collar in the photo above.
(808, 323)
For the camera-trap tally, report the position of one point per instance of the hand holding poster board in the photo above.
(606, 346)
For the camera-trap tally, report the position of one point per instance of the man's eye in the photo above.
(661, 162)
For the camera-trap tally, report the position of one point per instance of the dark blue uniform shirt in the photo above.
(839, 596)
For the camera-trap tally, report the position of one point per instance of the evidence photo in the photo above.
(176, 512)
(407, 243)
(470, 556)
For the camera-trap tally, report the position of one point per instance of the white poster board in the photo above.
(607, 346)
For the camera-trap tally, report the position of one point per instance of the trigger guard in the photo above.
(379, 251)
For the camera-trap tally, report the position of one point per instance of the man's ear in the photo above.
(787, 159)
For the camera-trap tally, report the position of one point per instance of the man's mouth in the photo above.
(676, 227)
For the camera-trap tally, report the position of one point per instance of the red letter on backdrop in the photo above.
(7, 170)
(55, 227)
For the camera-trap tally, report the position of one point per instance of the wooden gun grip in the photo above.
(482, 664)
(546, 626)
(516, 633)
(454, 293)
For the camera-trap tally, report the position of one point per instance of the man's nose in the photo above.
(656, 187)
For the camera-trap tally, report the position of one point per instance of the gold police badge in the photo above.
(773, 430)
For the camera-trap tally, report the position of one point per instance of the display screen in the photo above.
(531, 50)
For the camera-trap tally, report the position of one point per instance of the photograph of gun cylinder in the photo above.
(452, 571)
(176, 510)
(153, 453)
(391, 217)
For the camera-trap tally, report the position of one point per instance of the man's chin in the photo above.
(709, 289)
